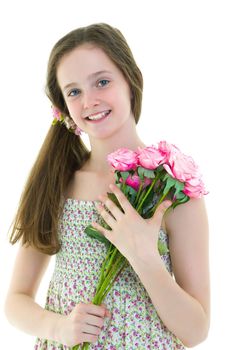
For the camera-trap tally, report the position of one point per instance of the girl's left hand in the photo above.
(132, 235)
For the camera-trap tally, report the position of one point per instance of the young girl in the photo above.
(155, 303)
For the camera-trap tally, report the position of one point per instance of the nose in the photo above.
(89, 99)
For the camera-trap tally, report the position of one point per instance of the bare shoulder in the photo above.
(187, 226)
(192, 213)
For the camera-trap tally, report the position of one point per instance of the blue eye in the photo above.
(105, 82)
(73, 92)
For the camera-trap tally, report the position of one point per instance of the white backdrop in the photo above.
(184, 49)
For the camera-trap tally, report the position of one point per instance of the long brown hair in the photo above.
(62, 152)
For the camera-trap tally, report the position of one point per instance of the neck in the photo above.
(101, 147)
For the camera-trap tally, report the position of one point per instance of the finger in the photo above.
(112, 207)
(160, 211)
(101, 229)
(89, 338)
(125, 204)
(90, 329)
(92, 309)
(95, 321)
(107, 312)
(108, 218)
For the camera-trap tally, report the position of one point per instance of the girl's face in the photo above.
(93, 86)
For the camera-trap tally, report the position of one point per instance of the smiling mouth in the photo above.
(98, 116)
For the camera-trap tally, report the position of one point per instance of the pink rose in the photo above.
(135, 181)
(195, 188)
(181, 167)
(167, 149)
(150, 157)
(123, 159)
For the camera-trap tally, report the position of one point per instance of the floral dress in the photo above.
(135, 323)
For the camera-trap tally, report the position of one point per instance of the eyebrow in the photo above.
(93, 75)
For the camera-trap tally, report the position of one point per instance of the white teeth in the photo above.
(98, 116)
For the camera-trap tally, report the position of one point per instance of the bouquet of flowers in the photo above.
(146, 177)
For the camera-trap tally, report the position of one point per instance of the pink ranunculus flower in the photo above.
(181, 167)
(150, 157)
(195, 188)
(123, 159)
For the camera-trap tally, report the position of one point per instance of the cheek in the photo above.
(73, 108)
(121, 97)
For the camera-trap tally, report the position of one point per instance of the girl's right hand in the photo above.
(83, 324)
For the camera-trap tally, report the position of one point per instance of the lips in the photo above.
(98, 116)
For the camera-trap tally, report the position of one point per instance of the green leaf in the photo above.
(166, 176)
(180, 201)
(169, 184)
(181, 195)
(160, 169)
(142, 172)
(117, 175)
(149, 173)
(179, 186)
(93, 233)
(132, 190)
(113, 198)
(124, 175)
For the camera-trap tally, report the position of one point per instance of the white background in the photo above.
(184, 50)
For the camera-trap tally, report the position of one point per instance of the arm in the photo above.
(182, 304)
(20, 307)
(83, 324)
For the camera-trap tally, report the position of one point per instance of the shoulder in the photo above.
(187, 227)
(185, 216)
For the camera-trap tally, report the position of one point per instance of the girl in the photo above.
(155, 303)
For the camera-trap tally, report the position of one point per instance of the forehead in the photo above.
(82, 61)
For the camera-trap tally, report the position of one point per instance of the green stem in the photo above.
(109, 266)
(85, 346)
(140, 198)
(99, 298)
(138, 194)
(108, 279)
(158, 203)
(110, 285)
(147, 193)
(105, 273)
(105, 266)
